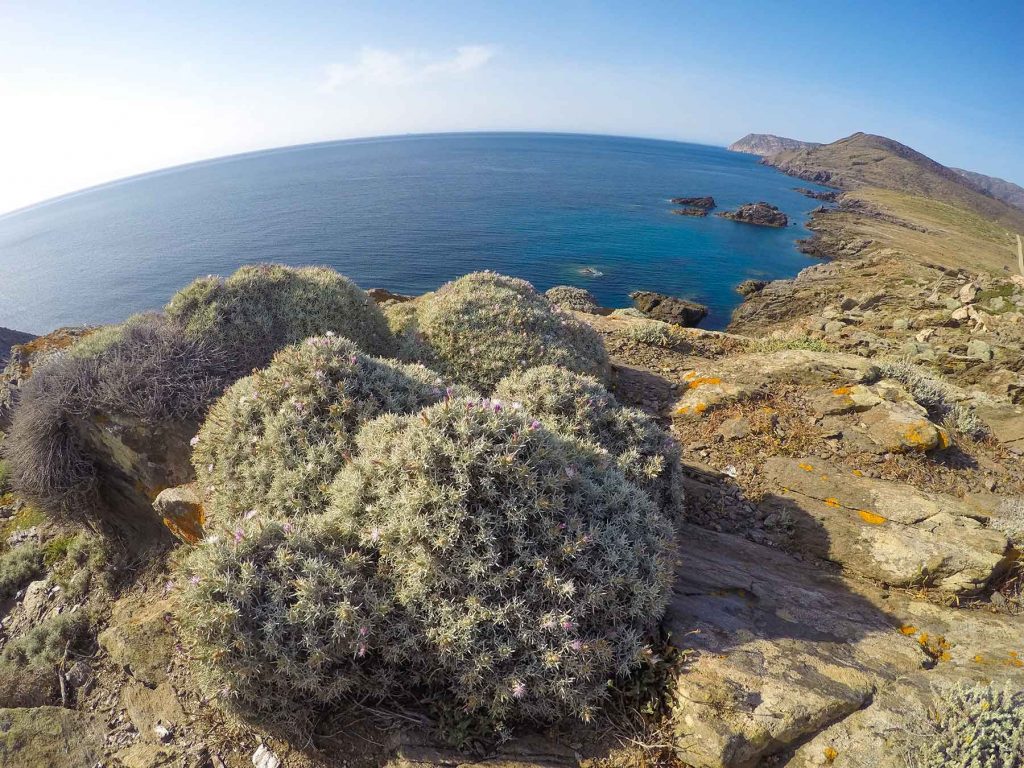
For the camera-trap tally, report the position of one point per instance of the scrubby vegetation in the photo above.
(19, 566)
(571, 297)
(578, 406)
(485, 326)
(470, 559)
(935, 396)
(980, 726)
(28, 663)
(286, 619)
(146, 369)
(656, 333)
(259, 309)
(276, 439)
(529, 565)
(776, 344)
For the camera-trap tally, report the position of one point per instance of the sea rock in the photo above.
(828, 197)
(669, 309)
(383, 295)
(703, 203)
(883, 530)
(689, 212)
(750, 287)
(762, 214)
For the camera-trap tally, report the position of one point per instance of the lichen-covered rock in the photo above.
(669, 309)
(762, 214)
(46, 737)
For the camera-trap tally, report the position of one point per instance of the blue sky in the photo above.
(97, 91)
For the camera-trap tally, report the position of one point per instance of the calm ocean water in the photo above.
(406, 214)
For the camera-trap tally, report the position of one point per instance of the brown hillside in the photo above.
(866, 160)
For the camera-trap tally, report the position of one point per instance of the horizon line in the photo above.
(314, 144)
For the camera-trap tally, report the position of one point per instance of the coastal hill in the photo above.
(867, 160)
(1002, 189)
(765, 144)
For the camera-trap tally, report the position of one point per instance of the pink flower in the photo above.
(364, 631)
(194, 441)
(239, 535)
(362, 650)
(576, 645)
(567, 625)
(287, 527)
(193, 579)
(375, 535)
(534, 425)
(518, 689)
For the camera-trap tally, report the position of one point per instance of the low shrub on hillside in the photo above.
(287, 619)
(19, 566)
(260, 309)
(28, 663)
(980, 726)
(571, 297)
(578, 406)
(935, 396)
(485, 326)
(147, 369)
(276, 439)
(657, 334)
(530, 567)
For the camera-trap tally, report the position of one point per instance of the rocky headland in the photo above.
(766, 144)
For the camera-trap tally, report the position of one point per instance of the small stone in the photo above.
(264, 758)
(735, 428)
(979, 350)
(969, 292)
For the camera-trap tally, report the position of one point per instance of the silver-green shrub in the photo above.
(530, 567)
(484, 326)
(277, 438)
(980, 726)
(936, 396)
(578, 406)
(657, 334)
(571, 297)
(259, 309)
(285, 620)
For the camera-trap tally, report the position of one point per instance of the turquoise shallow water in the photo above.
(406, 214)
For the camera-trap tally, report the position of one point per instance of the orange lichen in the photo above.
(188, 526)
(700, 407)
(831, 754)
(683, 409)
(689, 375)
(839, 391)
(858, 473)
(832, 502)
(805, 467)
(908, 629)
(704, 380)
(870, 517)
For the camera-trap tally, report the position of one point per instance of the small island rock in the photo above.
(762, 214)
(669, 309)
(703, 203)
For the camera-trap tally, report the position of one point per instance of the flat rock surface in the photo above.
(883, 530)
(778, 650)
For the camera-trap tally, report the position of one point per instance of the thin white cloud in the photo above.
(378, 66)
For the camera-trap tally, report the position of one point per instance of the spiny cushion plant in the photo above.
(146, 369)
(571, 297)
(532, 568)
(260, 309)
(981, 726)
(277, 438)
(578, 406)
(484, 326)
(287, 619)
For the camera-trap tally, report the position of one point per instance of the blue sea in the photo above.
(407, 214)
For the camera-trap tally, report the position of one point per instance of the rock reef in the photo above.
(760, 214)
